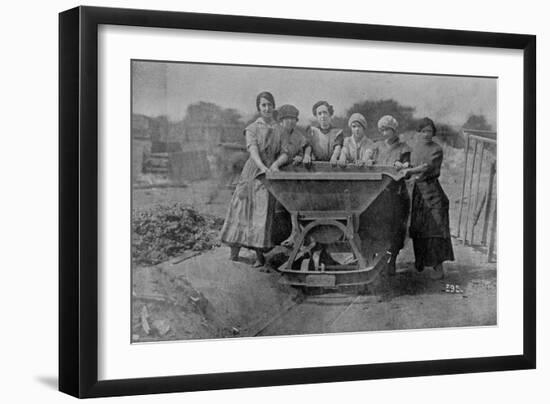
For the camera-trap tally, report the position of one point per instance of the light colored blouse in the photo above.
(352, 152)
(266, 137)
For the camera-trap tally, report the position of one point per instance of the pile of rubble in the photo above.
(164, 232)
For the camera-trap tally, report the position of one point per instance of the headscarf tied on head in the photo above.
(388, 121)
(288, 111)
(359, 118)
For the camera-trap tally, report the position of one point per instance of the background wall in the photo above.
(28, 285)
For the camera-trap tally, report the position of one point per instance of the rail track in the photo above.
(320, 311)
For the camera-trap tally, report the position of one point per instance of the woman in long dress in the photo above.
(394, 204)
(293, 143)
(429, 227)
(249, 219)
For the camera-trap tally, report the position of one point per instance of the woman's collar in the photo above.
(426, 141)
(325, 131)
(393, 142)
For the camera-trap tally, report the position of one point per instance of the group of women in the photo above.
(272, 143)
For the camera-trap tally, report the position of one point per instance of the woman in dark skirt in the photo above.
(429, 227)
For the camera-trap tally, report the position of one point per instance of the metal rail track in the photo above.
(304, 299)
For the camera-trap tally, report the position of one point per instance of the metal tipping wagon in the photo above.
(346, 219)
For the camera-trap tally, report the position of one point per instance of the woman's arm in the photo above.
(255, 155)
(335, 155)
(338, 145)
(307, 156)
(343, 159)
(281, 161)
(421, 169)
(430, 168)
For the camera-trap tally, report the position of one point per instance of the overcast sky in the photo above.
(168, 88)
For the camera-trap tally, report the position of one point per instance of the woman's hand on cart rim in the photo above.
(415, 170)
(274, 167)
(341, 163)
(401, 166)
(297, 160)
(307, 160)
(333, 161)
(264, 170)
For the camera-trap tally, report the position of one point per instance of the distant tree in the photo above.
(478, 122)
(374, 110)
(453, 136)
(341, 122)
(231, 116)
(450, 135)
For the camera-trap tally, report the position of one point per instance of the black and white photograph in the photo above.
(282, 201)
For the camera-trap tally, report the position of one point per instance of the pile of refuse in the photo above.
(164, 232)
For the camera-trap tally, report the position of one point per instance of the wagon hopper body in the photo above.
(337, 210)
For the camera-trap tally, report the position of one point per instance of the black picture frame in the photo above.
(78, 201)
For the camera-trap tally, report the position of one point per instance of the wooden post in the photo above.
(477, 191)
(479, 208)
(466, 149)
(488, 202)
(470, 193)
(492, 242)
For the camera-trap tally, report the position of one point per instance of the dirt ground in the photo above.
(205, 295)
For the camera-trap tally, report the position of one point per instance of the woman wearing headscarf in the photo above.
(250, 216)
(357, 148)
(324, 142)
(390, 151)
(386, 219)
(429, 227)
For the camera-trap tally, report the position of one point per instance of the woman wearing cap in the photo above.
(390, 151)
(324, 142)
(292, 140)
(357, 148)
(292, 151)
(392, 207)
(429, 227)
(250, 216)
